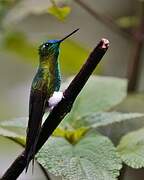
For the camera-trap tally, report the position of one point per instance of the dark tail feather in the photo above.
(30, 155)
(29, 158)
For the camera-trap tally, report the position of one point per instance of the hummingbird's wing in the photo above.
(36, 111)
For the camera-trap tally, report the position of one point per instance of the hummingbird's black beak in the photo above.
(69, 35)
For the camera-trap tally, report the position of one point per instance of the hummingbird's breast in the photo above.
(48, 77)
(54, 81)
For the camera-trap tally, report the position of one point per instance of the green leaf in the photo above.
(18, 125)
(7, 133)
(95, 120)
(131, 149)
(20, 122)
(12, 135)
(60, 12)
(99, 94)
(94, 156)
(14, 129)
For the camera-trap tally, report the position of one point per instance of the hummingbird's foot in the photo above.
(55, 99)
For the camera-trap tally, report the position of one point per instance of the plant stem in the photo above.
(122, 172)
(135, 62)
(63, 107)
(134, 67)
(103, 19)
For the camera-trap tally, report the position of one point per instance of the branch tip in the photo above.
(104, 43)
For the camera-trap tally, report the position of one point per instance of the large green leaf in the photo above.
(93, 157)
(14, 129)
(79, 127)
(99, 94)
(20, 122)
(7, 133)
(131, 149)
(99, 119)
(13, 135)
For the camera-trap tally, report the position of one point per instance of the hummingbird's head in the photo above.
(51, 47)
(48, 48)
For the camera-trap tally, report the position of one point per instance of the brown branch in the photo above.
(106, 20)
(134, 66)
(63, 107)
(135, 62)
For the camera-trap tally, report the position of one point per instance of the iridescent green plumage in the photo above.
(46, 81)
(48, 73)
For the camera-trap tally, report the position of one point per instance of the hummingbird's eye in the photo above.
(46, 45)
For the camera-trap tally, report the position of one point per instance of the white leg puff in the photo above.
(55, 99)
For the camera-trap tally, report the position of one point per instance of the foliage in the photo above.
(12, 135)
(4, 132)
(99, 94)
(100, 119)
(76, 149)
(131, 149)
(17, 122)
(94, 156)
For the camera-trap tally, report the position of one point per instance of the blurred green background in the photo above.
(25, 24)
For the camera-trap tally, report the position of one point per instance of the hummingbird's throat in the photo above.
(47, 63)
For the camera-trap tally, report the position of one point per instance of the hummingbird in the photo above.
(44, 92)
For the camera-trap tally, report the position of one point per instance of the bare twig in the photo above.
(63, 107)
(103, 19)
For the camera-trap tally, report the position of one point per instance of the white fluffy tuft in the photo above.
(55, 99)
